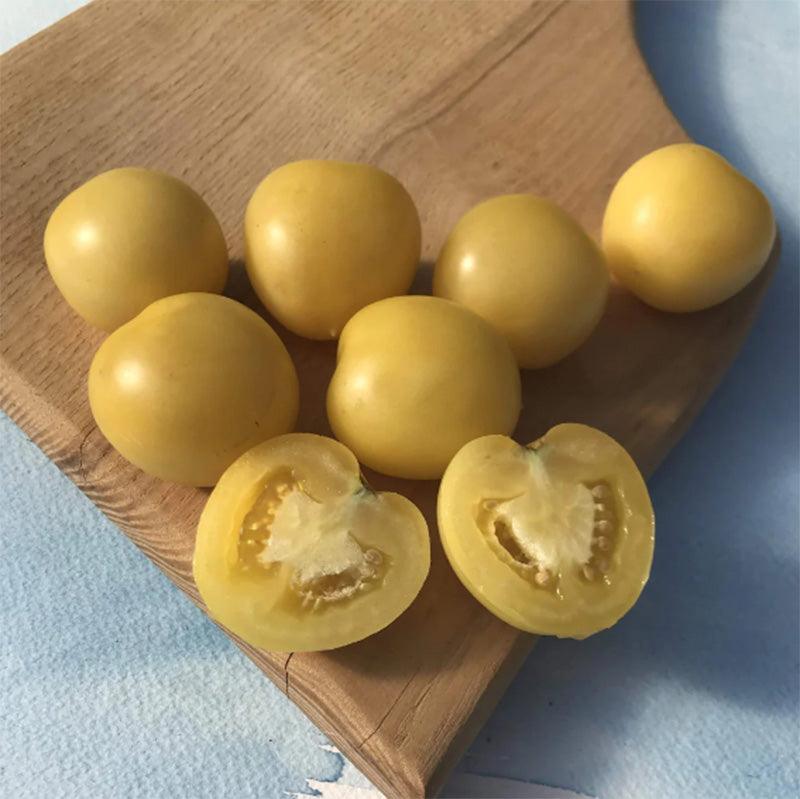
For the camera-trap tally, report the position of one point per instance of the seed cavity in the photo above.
(543, 578)
(552, 527)
(606, 526)
(501, 538)
(330, 588)
(287, 528)
(502, 532)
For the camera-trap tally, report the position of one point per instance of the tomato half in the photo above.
(295, 553)
(554, 538)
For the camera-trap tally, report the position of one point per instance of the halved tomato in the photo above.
(295, 553)
(554, 538)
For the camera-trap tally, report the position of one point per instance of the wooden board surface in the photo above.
(461, 100)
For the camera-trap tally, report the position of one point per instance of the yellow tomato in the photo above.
(325, 238)
(416, 378)
(190, 384)
(529, 268)
(294, 553)
(555, 538)
(683, 230)
(129, 237)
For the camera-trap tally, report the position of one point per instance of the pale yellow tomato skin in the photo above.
(190, 384)
(528, 268)
(252, 603)
(684, 230)
(131, 236)
(325, 238)
(416, 378)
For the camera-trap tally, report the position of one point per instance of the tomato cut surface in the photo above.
(295, 553)
(554, 538)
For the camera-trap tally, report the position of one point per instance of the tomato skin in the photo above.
(325, 238)
(131, 236)
(684, 230)
(191, 383)
(416, 378)
(529, 269)
(496, 468)
(257, 604)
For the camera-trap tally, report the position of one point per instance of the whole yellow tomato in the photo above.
(325, 238)
(416, 378)
(529, 268)
(190, 384)
(128, 237)
(554, 538)
(294, 553)
(684, 230)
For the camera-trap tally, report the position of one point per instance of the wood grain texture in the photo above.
(461, 100)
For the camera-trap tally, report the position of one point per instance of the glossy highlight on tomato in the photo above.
(528, 268)
(325, 238)
(131, 236)
(416, 378)
(684, 230)
(295, 553)
(190, 384)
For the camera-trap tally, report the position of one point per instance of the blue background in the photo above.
(113, 683)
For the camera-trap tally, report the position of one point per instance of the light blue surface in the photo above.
(111, 683)
(21, 19)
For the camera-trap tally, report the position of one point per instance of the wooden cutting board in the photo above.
(461, 100)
